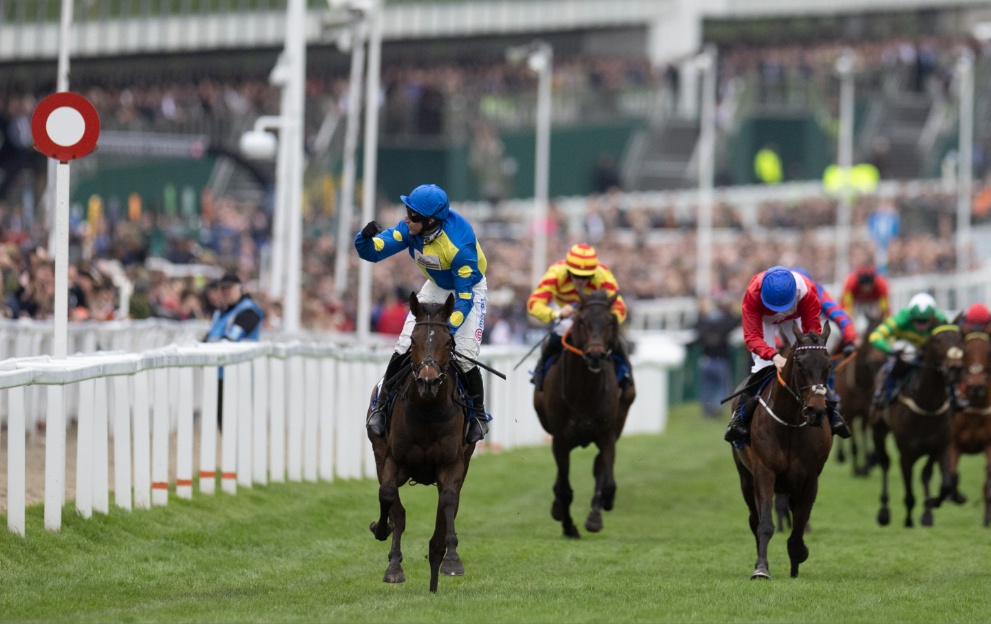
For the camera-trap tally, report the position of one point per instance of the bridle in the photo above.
(816, 389)
(579, 352)
(430, 360)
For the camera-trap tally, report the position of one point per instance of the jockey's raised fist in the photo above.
(371, 229)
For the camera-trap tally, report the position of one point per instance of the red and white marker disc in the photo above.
(65, 126)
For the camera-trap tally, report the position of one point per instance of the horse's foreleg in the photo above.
(447, 510)
(764, 500)
(394, 573)
(906, 464)
(881, 457)
(801, 510)
(388, 494)
(563, 494)
(953, 460)
(605, 486)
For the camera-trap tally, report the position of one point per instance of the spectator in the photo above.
(713, 330)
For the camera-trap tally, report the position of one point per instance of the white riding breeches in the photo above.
(468, 338)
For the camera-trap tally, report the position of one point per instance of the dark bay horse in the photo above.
(581, 403)
(919, 418)
(854, 384)
(424, 443)
(790, 441)
(970, 431)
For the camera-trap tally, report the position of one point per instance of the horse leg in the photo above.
(605, 486)
(781, 511)
(801, 510)
(388, 495)
(563, 494)
(881, 457)
(450, 498)
(840, 451)
(747, 488)
(928, 502)
(955, 494)
(987, 486)
(906, 463)
(763, 498)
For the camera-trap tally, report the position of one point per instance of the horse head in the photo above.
(807, 372)
(433, 345)
(595, 329)
(976, 366)
(943, 352)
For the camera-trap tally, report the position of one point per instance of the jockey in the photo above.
(865, 292)
(832, 311)
(559, 286)
(977, 318)
(776, 299)
(899, 336)
(443, 244)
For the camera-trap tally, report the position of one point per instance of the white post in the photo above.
(259, 430)
(311, 416)
(374, 16)
(54, 458)
(844, 67)
(965, 177)
(184, 436)
(346, 203)
(541, 60)
(60, 340)
(101, 444)
(293, 129)
(277, 422)
(208, 431)
(142, 442)
(294, 453)
(706, 169)
(16, 458)
(122, 442)
(228, 438)
(245, 421)
(84, 450)
(160, 438)
(327, 418)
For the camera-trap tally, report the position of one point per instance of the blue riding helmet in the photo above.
(778, 289)
(428, 200)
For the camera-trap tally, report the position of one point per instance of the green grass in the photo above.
(676, 548)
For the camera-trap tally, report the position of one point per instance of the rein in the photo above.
(818, 389)
(567, 332)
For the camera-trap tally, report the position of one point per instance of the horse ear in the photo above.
(613, 299)
(449, 305)
(958, 319)
(414, 304)
(825, 330)
(795, 330)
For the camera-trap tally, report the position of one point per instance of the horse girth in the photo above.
(917, 409)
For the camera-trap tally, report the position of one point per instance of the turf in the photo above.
(675, 549)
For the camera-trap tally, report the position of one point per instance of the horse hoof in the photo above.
(762, 575)
(394, 575)
(908, 523)
(452, 567)
(927, 518)
(958, 498)
(884, 517)
(380, 536)
(572, 533)
(557, 511)
(593, 524)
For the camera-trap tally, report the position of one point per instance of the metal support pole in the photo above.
(844, 66)
(61, 84)
(374, 15)
(541, 60)
(706, 171)
(965, 69)
(281, 192)
(296, 56)
(346, 203)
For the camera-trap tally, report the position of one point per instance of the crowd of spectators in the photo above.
(650, 249)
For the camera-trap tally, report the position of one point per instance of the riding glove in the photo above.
(371, 229)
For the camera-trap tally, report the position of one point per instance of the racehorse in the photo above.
(424, 443)
(854, 384)
(970, 431)
(789, 445)
(581, 403)
(919, 418)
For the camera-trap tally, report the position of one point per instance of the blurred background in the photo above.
(170, 200)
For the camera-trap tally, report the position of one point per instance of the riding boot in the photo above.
(478, 424)
(882, 391)
(551, 346)
(836, 423)
(627, 379)
(376, 419)
(739, 425)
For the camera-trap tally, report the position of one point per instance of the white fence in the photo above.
(291, 411)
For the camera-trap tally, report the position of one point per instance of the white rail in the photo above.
(290, 411)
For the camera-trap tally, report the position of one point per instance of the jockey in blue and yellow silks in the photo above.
(443, 244)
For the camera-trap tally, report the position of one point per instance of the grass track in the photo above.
(676, 548)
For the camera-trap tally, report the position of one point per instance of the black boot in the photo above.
(624, 353)
(478, 424)
(836, 423)
(738, 429)
(551, 347)
(376, 419)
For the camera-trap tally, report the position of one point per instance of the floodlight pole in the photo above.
(61, 84)
(294, 113)
(965, 176)
(706, 171)
(277, 272)
(374, 17)
(844, 154)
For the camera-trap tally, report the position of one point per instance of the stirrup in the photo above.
(376, 421)
(478, 428)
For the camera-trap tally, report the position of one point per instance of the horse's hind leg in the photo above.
(763, 498)
(563, 494)
(928, 502)
(955, 494)
(605, 486)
